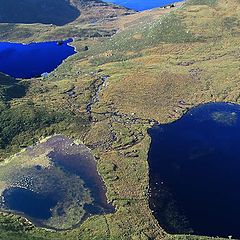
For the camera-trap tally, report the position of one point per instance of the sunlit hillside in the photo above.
(138, 69)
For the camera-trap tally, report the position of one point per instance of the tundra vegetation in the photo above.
(137, 69)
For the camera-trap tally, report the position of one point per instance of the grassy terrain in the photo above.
(35, 170)
(24, 124)
(156, 70)
(10, 88)
(206, 65)
(82, 19)
(202, 2)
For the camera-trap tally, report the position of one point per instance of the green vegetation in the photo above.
(24, 125)
(158, 69)
(46, 178)
(63, 19)
(11, 88)
(24, 119)
(202, 2)
(129, 43)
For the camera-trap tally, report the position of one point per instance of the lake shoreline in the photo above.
(172, 174)
(74, 153)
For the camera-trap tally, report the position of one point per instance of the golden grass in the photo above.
(161, 83)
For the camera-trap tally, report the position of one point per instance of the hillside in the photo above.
(58, 12)
(27, 20)
(140, 69)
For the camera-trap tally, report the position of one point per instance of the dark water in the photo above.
(31, 60)
(28, 202)
(195, 172)
(141, 5)
(49, 195)
(38, 11)
(77, 159)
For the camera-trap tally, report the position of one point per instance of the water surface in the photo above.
(195, 172)
(32, 60)
(25, 201)
(141, 5)
(78, 160)
(54, 184)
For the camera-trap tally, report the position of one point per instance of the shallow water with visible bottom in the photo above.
(58, 187)
(34, 59)
(195, 172)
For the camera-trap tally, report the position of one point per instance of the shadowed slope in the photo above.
(10, 88)
(58, 12)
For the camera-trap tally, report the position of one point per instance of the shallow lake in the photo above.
(141, 5)
(54, 184)
(31, 60)
(195, 172)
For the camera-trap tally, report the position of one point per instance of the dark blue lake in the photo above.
(195, 172)
(28, 202)
(33, 59)
(141, 5)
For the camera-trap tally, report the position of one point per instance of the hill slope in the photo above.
(36, 20)
(153, 69)
(58, 12)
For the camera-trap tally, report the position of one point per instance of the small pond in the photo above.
(195, 172)
(141, 5)
(34, 59)
(54, 184)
